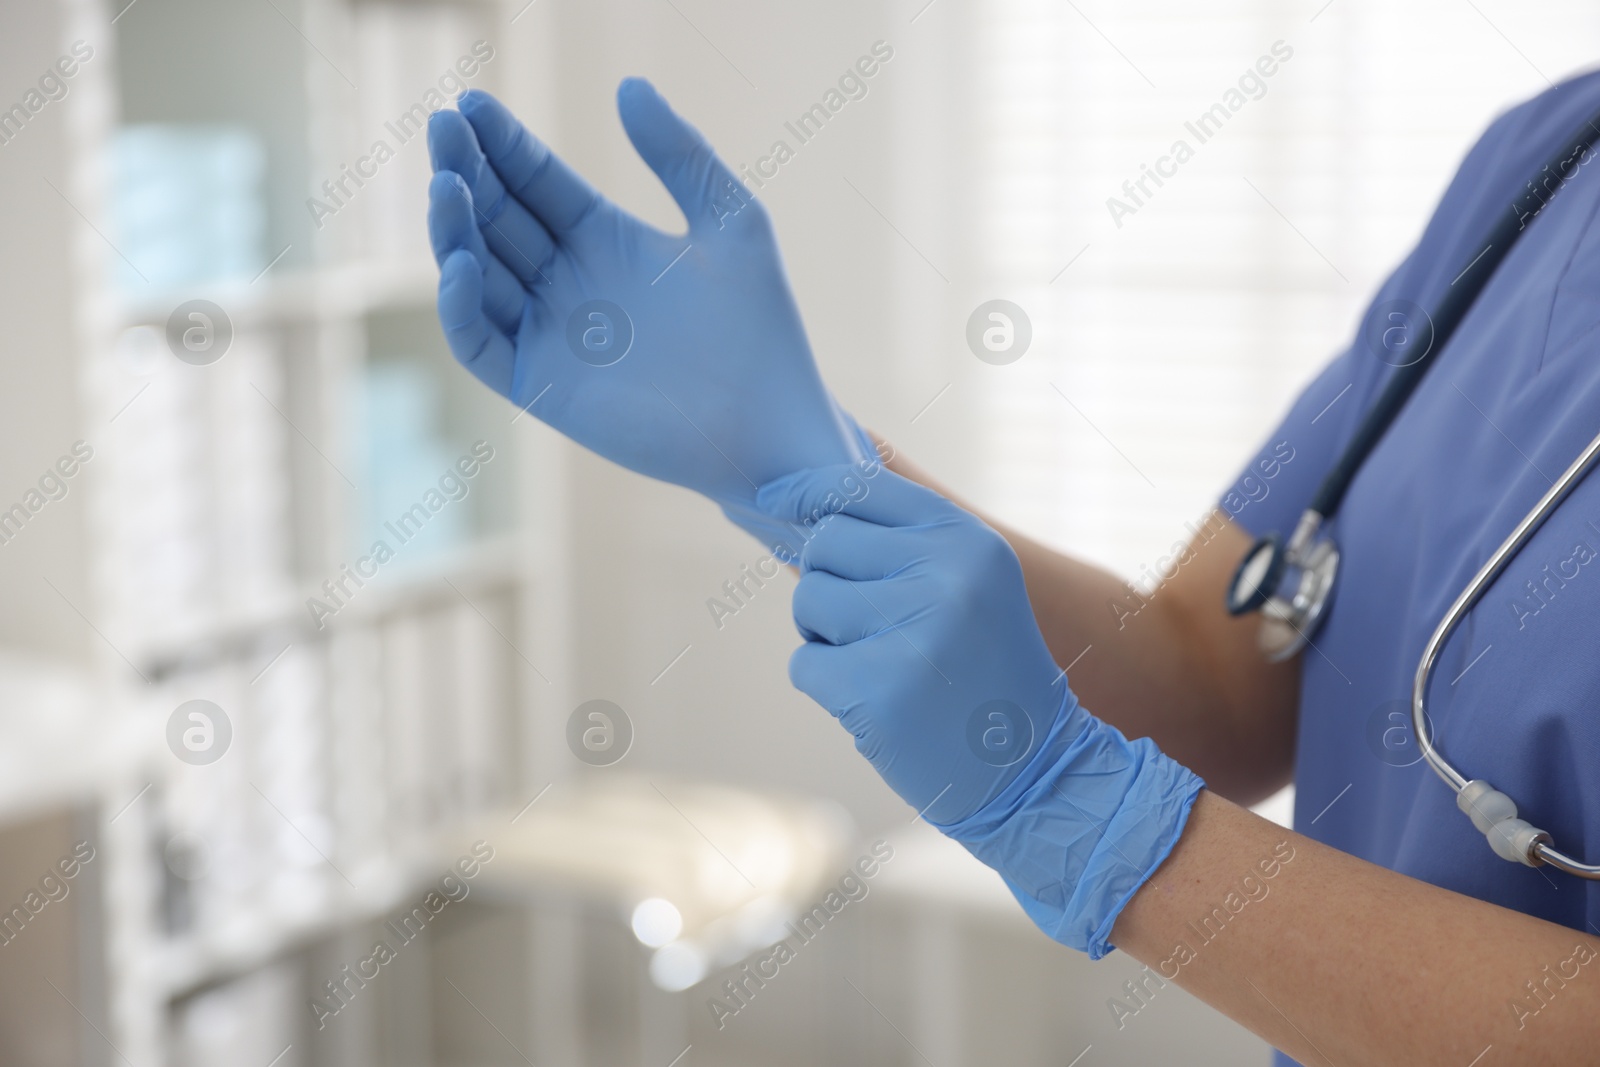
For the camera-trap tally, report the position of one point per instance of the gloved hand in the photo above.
(695, 369)
(921, 640)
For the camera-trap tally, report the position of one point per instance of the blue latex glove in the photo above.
(716, 390)
(921, 640)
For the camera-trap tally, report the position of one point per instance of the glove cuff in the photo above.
(1074, 853)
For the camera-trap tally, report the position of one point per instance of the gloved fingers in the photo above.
(855, 549)
(519, 240)
(707, 191)
(840, 612)
(885, 499)
(552, 191)
(476, 342)
(450, 227)
(819, 671)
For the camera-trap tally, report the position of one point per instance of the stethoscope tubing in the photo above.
(1464, 603)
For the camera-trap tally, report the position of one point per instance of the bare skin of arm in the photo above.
(1180, 670)
(1337, 961)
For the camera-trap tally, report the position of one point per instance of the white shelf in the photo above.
(320, 294)
(256, 935)
(486, 564)
(62, 749)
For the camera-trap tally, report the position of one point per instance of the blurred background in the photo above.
(518, 795)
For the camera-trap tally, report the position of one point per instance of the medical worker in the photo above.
(1111, 800)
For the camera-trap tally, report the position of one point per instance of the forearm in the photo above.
(1337, 961)
(1172, 665)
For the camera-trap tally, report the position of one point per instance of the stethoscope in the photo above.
(1291, 583)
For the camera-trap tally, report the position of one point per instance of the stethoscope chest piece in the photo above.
(1290, 584)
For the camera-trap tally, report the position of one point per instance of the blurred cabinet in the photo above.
(272, 398)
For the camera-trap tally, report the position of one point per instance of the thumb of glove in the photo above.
(707, 192)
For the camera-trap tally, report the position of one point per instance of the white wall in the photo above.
(39, 402)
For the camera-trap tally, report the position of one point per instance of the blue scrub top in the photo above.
(1502, 412)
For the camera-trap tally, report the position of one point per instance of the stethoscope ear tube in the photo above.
(1492, 812)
